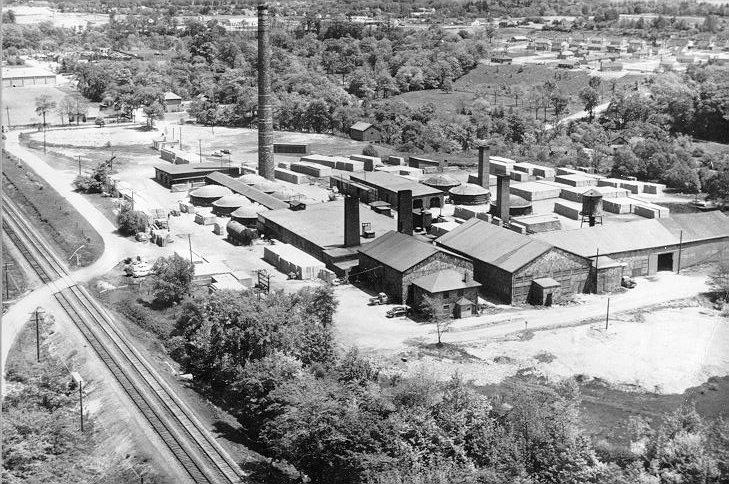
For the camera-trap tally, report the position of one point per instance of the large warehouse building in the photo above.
(516, 268)
(27, 76)
(388, 186)
(649, 246)
(407, 269)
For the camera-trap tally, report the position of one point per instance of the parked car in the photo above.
(397, 311)
(217, 154)
(381, 298)
(627, 282)
(225, 152)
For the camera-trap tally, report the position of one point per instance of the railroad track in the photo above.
(197, 451)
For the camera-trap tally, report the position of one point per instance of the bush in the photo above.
(370, 150)
(143, 317)
(173, 279)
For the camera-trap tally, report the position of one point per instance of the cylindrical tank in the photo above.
(442, 182)
(247, 215)
(519, 206)
(591, 205)
(239, 234)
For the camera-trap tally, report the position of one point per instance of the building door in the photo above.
(548, 299)
(665, 262)
(652, 264)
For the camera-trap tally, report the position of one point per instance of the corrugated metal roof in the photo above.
(447, 280)
(393, 183)
(249, 192)
(492, 244)
(399, 251)
(610, 239)
(698, 226)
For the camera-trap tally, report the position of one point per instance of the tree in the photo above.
(130, 222)
(717, 186)
(8, 17)
(590, 98)
(560, 103)
(99, 181)
(153, 111)
(433, 312)
(44, 104)
(683, 177)
(172, 278)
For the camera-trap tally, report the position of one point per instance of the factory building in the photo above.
(395, 263)
(649, 246)
(388, 186)
(507, 263)
(27, 76)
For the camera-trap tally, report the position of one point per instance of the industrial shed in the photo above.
(362, 131)
(650, 246)
(394, 261)
(168, 175)
(27, 76)
(507, 263)
(388, 186)
(251, 193)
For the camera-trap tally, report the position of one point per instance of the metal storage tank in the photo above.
(248, 214)
(251, 179)
(227, 204)
(442, 182)
(591, 207)
(519, 206)
(205, 196)
(469, 194)
(239, 234)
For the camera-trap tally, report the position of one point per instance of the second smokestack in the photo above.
(265, 108)
(484, 153)
(502, 197)
(351, 221)
(405, 212)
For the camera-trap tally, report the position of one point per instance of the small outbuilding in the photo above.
(363, 131)
(173, 102)
(205, 196)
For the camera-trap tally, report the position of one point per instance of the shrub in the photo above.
(370, 150)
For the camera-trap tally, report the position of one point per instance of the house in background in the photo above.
(173, 102)
(362, 131)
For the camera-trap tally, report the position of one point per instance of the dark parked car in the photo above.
(397, 311)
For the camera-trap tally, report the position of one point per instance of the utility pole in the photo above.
(37, 335)
(80, 382)
(199, 143)
(6, 266)
(7, 110)
(607, 315)
(79, 164)
(680, 250)
(189, 243)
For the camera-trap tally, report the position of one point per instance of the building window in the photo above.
(446, 307)
(460, 292)
(446, 294)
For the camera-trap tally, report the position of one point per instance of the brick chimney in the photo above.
(502, 197)
(351, 221)
(483, 166)
(405, 212)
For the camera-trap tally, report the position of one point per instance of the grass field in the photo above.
(500, 78)
(19, 103)
(49, 211)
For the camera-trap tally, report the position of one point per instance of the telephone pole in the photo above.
(6, 266)
(7, 110)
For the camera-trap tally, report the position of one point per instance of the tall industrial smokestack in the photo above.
(502, 196)
(405, 212)
(351, 221)
(483, 166)
(265, 109)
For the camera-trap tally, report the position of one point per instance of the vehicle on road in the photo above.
(217, 154)
(397, 311)
(381, 298)
(628, 282)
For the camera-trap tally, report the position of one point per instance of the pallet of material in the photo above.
(649, 210)
(283, 164)
(539, 223)
(468, 213)
(568, 209)
(417, 162)
(205, 219)
(180, 187)
(609, 182)
(186, 207)
(618, 205)
(519, 176)
(370, 162)
(311, 169)
(544, 172)
(289, 176)
(634, 187)
(328, 161)
(288, 259)
(574, 194)
(566, 171)
(533, 191)
(299, 149)
(442, 228)
(395, 160)
(653, 188)
(576, 180)
(350, 165)
(498, 166)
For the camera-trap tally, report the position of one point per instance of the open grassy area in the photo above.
(20, 104)
(50, 212)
